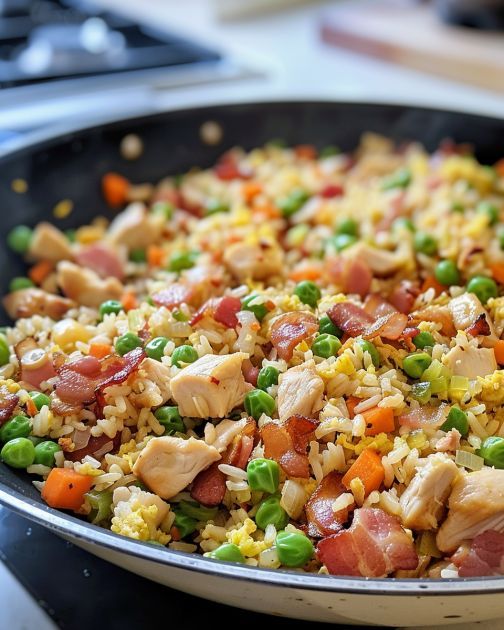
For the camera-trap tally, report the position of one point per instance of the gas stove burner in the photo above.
(49, 40)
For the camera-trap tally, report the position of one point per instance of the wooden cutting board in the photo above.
(414, 36)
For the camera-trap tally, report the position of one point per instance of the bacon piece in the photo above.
(225, 311)
(389, 326)
(353, 275)
(403, 296)
(101, 259)
(209, 486)
(332, 190)
(484, 557)
(95, 445)
(377, 306)
(374, 546)
(173, 296)
(480, 326)
(290, 329)
(227, 168)
(8, 403)
(64, 409)
(239, 450)
(322, 520)
(287, 444)
(438, 314)
(250, 372)
(350, 318)
(33, 376)
(426, 417)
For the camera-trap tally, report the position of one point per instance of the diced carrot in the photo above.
(379, 420)
(251, 190)
(115, 189)
(100, 350)
(175, 533)
(306, 272)
(39, 272)
(129, 301)
(31, 407)
(351, 403)
(268, 210)
(65, 489)
(368, 468)
(497, 270)
(306, 151)
(431, 283)
(499, 167)
(499, 352)
(155, 256)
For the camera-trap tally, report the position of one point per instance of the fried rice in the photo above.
(290, 360)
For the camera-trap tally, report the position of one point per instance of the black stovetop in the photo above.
(49, 40)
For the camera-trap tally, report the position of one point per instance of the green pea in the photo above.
(267, 377)
(138, 255)
(18, 453)
(214, 206)
(19, 239)
(170, 418)
(483, 288)
(109, 307)
(399, 179)
(184, 354)
(292, 203)
(264, 475)
(259, 310)
(197, 511)
(348, 226)
(329, 151)
(71, 235)
(179, 316)
(163, 208)
(182, 260)
(228, 552)
(457, 419)
(258, 402)
(293, 549)
(185, 524)
(4, 351)
(16, 427)
(40, 400)
(341, 242)
(326, 346)
(127, 343)
(326, 326)
(415, 364)
(425, 244)
(19, 283)
(367, 346)
(492, 451)
(446, 273)
(423, 340)
(101, 505)
(457, 206)
(403, 223)
(491, 211)
(45, 451)
(155, 348)
(270, 512)
(308, 292)
(421, 392)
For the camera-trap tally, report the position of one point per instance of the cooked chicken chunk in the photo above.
(381, 262)
(226, 431)
(247, 261)
(135, 227)
(465, 310)
(424, 499)
(168, 464)
(85, 286)
(49, 243)
(211, 386)
(28, 302)
(471, 362)
(157, 375)
(476, 504)
(125, 499)
(300, 392)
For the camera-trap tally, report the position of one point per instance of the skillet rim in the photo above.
(65, 524)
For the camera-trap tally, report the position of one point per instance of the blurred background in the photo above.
(67, 63)
(80, 60)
